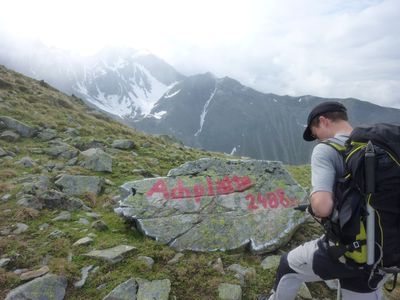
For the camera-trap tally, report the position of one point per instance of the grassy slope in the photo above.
(37, 104)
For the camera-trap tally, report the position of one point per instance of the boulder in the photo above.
(63, 216)
(175, 259)
(148, 261)
(47, 135)
(215, 204)
(97, 160)
(9, 136)
(46, 287)
(23, 129)
(3, 152)
(4, 262)
(271, 262)
(123, 144)
(111, 255)
(20, 228)
(243, 274)
(227, 291)
(59, 149)
(79, 184)
(156, 290)
(26, 162)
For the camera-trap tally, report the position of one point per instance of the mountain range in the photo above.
(201, 110)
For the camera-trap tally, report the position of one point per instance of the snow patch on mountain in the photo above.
(172, 95)
(205, 109)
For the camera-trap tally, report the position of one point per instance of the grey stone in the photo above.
(56, 234)
(44, 226)
(271, 262)
(21, 228)
(27, 162)
(83, 221)
(47, 287)
(175, 259)
(123, 144)
(84, 275)
(72, 161)
(99, 225)
(215, 204)
(47, 135)
(72, 132)
(156, 290)
(23, 129)
(3, 152)
(6, 197)
(9, 136)
(61, 150)
(20, 271)
(227, 291)
(79, 185)
(34, 274)
(93, 215)
(83, 241)
(63, 216)
(142, 172)
(111, 255)
(147, 260)
(4, 262)
(243, 274)
(125, 291)
(218, 266)
(97, 160)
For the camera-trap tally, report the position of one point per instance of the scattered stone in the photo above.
(111, 255)
(47, 135)
(20, 271)
(134, 153)
(217, 204)
(36, 151)
(147, 260)
(27, 162)
(104, 285)
(23, 129)
(243, 274)
(47, 287)
(175, 259)
(5, 231)
(34, 274)
(3, 152)
(99, 225)
(156, 289)
(227, 291)
(21, 228)
(97, 160)
(63, 216)
(56, 234)
(93, 215)
(125, 291)
(5, 197)
(79, 185)
(123, 144)
(44, 226)
(4, 262)
(9, 136)
(85, 273)
(218, 266)
(83, 241)
(61, 150)
(304, 292)
(83, 221)
(271, 262)
(72, 161)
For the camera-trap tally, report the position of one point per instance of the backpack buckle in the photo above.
(356, 245)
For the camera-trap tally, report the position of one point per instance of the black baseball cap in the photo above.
(320, 109)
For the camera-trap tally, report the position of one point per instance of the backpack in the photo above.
(348, 227)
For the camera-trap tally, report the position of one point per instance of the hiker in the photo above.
(311, 261)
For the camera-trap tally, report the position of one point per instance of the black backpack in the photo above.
(351, 196)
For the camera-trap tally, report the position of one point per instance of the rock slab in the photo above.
(111, 255)
(215, 204)
(78, 184)
(227, 291)
(23, 129)
(47, 287)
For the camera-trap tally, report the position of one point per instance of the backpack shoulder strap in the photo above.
(339, 148)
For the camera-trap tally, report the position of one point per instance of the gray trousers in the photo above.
(310, 262)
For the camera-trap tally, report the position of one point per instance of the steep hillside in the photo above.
(40, 235)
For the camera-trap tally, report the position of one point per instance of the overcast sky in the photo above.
(327, 48)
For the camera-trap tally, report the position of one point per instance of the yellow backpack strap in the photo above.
(339, 148)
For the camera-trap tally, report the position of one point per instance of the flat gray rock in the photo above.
(97, 160)
(79, 184)
(59, 149)
(9, 136)
(125, 291)
(23, 129)
(26, 162)
(83, 241)
(271, 262)
(47, 287)
(47, 135)
(123, 144)
(155, 290)
(111, 255)
(214, 204)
